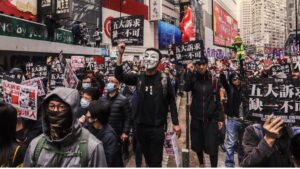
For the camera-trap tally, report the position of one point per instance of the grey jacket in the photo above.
(70, 143)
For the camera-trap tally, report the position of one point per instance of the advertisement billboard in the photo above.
(224, 25)
(168, 34)
(26, 9)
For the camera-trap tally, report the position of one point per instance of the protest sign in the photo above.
(110, 66)
(280, 97)
(70, 78)
(251, 66)
(36, 83)
(129, 29)
(171, 146)
(56, 80)
(90, 64)
(23, 98)
(77, 62)
(285, 68)
(189, 52)
(39, 71)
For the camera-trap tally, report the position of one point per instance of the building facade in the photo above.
(245, 20)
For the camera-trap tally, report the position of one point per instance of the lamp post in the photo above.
(296, 19)
(121, 4)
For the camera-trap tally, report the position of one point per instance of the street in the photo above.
(169, 161)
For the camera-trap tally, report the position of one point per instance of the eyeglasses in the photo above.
(59, 107)
(234, 79)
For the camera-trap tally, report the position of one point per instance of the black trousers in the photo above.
(151, 139)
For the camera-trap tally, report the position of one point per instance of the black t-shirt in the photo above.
(147, 115)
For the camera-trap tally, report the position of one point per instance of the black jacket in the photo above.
(162, 103)
(120, 112)
(111, 145)
(259, 154)
(234, 98)
(205, 98)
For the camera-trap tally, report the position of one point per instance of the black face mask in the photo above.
(92, 129)
(59, 123)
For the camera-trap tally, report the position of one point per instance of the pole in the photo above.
(296, 18)
(121, 8)
(185, 152)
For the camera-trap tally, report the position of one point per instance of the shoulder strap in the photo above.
(83, 147)
(15, 154)
(214, 85)
(38, 150)
(258, 130)
(141, 81)
(164, 83)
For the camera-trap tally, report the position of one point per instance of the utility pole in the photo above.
(296, 18)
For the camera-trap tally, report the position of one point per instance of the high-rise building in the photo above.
(245, 20)
(268, 20)
(291, 17)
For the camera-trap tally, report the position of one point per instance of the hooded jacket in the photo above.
(70, 143)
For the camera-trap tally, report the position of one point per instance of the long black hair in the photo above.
(8, 122)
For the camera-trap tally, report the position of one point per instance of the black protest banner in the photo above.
(251, 66)
(280, 97)
(129, 29)
(56, 76)
(110, 66)
(296, 62)
(39, 71)
(90, 64)
(284, 68)
(189, 52)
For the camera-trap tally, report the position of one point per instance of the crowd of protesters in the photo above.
(94, 125)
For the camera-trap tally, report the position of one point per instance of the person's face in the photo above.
(167, 71)
(87, 80)
(57, 106)
(87, 97)
(151, 59)
(236, 81)
(89, 118)
(201, 68)
(114, 81)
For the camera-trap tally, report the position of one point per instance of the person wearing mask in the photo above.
(97, 116)
(120, 113)
(64, 143)
(86, 82)
(88, 95)
(234, 112)
(267, 145)
(295, 150)
(206, 112)
(155, 96)
(11, 153)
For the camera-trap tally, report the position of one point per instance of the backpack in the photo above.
(258, 129)
(82, 153)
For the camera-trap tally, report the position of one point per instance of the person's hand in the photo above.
(272, 128)
(82, 119)
(124, 137)
(220, 125)
(177, 130)
(190, 67)
(121, 48)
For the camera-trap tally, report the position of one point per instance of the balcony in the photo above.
(19, 35)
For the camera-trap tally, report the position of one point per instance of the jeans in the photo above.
(234, 131)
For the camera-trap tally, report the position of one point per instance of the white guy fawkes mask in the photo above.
(151, 59)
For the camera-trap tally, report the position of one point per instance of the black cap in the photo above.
(202, 60)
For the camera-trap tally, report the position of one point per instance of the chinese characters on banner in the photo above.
(296, 62)
(36, 70)
(155, 10)
(63, 8)
(128, 29)
(56, 77)
(23, 98)
(189, 52)
(280, 97)
(77, 62)
(285, 68)
(36, 83)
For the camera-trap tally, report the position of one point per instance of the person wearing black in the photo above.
(234, 111)
(11, 153)
(267, 145)
(295, 150)
(206, 115)
(97, 116)
(51, 25)
(76, 32)
(155, 96)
